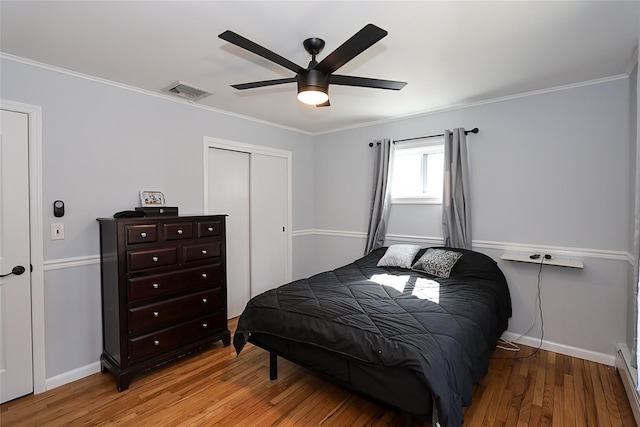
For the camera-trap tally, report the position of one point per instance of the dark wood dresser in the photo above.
(164, 290)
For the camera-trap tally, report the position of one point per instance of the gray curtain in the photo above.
(381, 200)
(456, 200)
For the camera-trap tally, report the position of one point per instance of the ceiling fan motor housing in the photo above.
(313, 80)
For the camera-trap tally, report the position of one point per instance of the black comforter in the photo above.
(442, 329)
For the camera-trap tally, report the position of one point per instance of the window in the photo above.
(418, 171)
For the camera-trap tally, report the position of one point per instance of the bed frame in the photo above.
(357, 376)
(400, 363)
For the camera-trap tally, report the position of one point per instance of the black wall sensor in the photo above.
(58, 208)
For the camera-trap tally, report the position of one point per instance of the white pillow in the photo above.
(399, 256)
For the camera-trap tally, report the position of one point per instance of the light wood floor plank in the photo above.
(578, 389)
(589, 394)
(548, 392)
(568, 404)
(216, 388)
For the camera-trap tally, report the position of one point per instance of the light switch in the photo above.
(57, 231)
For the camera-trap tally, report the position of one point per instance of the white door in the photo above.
(16, 366)
(228, 193)
(268, 223)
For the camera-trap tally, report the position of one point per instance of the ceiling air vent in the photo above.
(186, 91)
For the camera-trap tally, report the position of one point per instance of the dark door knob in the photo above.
(17, 270)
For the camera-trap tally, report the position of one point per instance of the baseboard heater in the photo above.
(629, 376)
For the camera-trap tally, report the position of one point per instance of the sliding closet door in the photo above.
(251, 185)
(269, 210)
(228, 193)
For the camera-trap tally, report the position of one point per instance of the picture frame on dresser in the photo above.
(151, 199)
(163, 289)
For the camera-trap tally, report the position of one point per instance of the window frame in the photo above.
(433, 145)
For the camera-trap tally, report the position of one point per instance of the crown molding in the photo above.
(166, 97)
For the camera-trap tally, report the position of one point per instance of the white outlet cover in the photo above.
(57, 231)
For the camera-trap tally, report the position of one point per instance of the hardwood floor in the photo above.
(216, 388)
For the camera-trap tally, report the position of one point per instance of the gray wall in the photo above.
(563, 156)
(549, 173)
(101, 144)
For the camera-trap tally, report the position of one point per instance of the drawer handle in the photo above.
(204, 326)
(143, 234)
(204, 275)
(156, 342)
(155, 286)
(204, 252)
(156, 314)
(204, 300)
(210, 228)
(179, 231)
(154, 259)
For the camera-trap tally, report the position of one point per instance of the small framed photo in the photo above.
(151, 199)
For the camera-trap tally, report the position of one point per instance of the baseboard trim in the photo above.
(580, 353)
(628, 374)
(606, 359)
(72, 375)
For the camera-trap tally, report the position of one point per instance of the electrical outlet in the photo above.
(57, 231)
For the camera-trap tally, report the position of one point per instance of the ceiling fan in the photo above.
(313, 81)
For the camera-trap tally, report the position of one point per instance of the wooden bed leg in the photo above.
(273, 366)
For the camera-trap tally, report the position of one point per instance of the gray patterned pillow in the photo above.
(437, 262)
(399, 256)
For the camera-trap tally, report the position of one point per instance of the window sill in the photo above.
(416, 201)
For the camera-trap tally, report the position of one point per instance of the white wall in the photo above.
(549, 172)
(101, 145)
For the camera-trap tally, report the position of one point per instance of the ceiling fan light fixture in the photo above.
(313, 96)
(313, 87)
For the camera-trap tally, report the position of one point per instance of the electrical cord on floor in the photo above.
(511, 344)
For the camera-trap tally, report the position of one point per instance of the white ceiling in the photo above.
(450, 52)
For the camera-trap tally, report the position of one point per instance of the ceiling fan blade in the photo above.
(247, 44)
(264, 83)
(337, 79)
(358, 43)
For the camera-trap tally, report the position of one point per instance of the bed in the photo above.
(410, 327)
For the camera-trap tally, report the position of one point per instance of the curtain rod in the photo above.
(474, 130)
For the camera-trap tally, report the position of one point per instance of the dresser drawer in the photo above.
(147, 233)
(178, 230)
(162, 284)
(170, 338)
(209, 228)
(176, 309)
(201, 251)
(151, 258)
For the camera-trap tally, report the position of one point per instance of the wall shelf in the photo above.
(561, 262)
